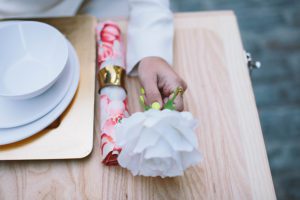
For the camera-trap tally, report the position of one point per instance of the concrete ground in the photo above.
(271, 32)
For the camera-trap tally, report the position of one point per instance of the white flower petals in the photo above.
(160, 150)
(146, 140)
(158, 143)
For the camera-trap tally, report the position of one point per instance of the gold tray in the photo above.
(71, 136)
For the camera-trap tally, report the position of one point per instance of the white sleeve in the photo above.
(150, 32)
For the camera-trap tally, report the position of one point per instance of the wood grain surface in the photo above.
(209, 55)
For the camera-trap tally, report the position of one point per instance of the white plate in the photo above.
(33, 56)
(23, 9)
(20, 112)
(10, 135)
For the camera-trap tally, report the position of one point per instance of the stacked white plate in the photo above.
(39, 75)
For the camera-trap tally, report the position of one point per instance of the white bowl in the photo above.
(33, 56)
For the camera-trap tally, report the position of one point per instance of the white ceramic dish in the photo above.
(34, 8)
(33, 56)
(10, 135)
(19, 112)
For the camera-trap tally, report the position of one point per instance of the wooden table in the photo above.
(210, 57)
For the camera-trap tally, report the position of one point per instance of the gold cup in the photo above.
(111, 75)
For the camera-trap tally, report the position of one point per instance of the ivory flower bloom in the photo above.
(158, 143)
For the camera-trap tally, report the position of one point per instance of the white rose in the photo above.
(158, 143)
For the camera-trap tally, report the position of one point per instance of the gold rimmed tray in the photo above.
(70, 136)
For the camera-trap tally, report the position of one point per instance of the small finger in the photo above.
(166, 100)
(152, 92)
(178, 103)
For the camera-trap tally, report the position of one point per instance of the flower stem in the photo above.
(170, 103)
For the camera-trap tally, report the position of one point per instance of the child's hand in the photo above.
(159, 81)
